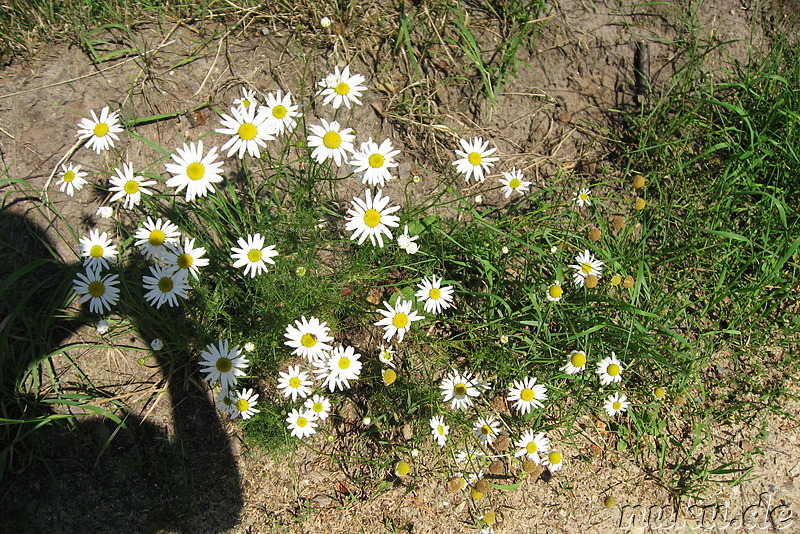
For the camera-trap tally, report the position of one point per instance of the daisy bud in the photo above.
(628, 282)
(482, 485)
(638, 181)
(455, 484)
(616, 280)
(402, 468)
(640, 204)
(609, 502)
(591, 281)
(594, 234)
(389, 376)
(489, 517)
(660, 393)
(617, 222)
(475, 494)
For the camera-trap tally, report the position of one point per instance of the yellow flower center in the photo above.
(344, 362)
(555, 291)
(302, 422)
(578, 359)
(474, 158)
(195, 171)
(224, 364)
(400, 320)
(526, 394)
(514, 183)
(376, 161)
(131, 187)
(308, 340)
(96, 251)
(157, 237)
(617, 405)
(332, 139)
(554, 457)
(486, 430)
(242, 405)
(318, 407)
(254, 255)
(69, 176)
(165, 284)
(342, 89)
(660, 393)
(460, 390)
(247, 131)
(435, 293)
(372, 218)
(531, 447)
(440, 430)
(294, 382)
(613, 369)
(185, 261)
(100, 129)
(584, 197)
(279, 112)
(586, 268)
(97, 288)
(245, 103)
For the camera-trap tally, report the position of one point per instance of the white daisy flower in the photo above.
(105, 212)
(527, 394)
(514, 182)
(153, 238)
(470, 455)
(341, 366)
(585, 265)
(486, 429)
(193, 171)
(435, 297)
(187, 257)
(129, 187)
(439, 429)
(282, 112)
(71, 179)
(222, 363)
(373, 162)
(329, 141)
(475, 158)
(248, 99)
(309, 339)
(397, 319)
(244, 404)
(616, 403)
(97, 251)
(531, 445)
(319, 405)
(165, 285)
(342, 88)
(226, 400)
(576, 362)
(301, 423)
(583, 198)
(459, 390)
(406, 242)
(251, 254)
(295, 383)
(371, 218)
(101, 292)
(248, 130)
(386, 355)
(553, 461)
(554, 291)
(101, 133)
(610, 370)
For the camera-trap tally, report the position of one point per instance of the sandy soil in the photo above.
(180, 468)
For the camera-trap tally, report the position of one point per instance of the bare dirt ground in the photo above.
(180, 468)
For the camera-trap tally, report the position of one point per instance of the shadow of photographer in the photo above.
(66, 467)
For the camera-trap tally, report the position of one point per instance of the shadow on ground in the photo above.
(85, 472)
